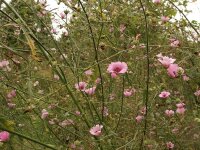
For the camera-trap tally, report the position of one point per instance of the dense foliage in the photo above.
(123, 75)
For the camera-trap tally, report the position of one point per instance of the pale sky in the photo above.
(195, 7)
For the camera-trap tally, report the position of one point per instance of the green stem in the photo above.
(148, 72)
(96, 55)
(122, 104)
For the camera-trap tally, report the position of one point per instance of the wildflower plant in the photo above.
(109, 75)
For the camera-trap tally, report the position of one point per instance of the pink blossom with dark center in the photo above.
(129, 92)
(98, 80)
(170, 145)
(90, 91)
(81, 86)
(175, 43)
(62, 15)
(54, 31)
(173, 70)
(117, 68)
(164, 94)
(96, 130)
(165, 61)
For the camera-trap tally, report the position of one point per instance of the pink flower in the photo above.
(90, 91)
(139, 118)
(54, 31)
(65, 33)
(175, 43)
(186, 78)
(81, 86)
(78, 113)
(173, 70)
(11, 94)
(72, 146)
(4, 63)
(42, 2)
(129, 92)
(96, 130)
(98, 80)
(88, 72)
(4, 136)
(62, 15)
(175, 130)
(180, 110)
(165, 61)
(157, 1)
(44, 114)
(66, 123)
(164, 19)
(180, 105)
(116, 68)
(113, 75)
(170, 145)
(197, 93)
(164, 94)
(169, 113)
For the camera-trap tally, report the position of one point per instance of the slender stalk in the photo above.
(122, 104)
(148, 72)
(96, 55)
